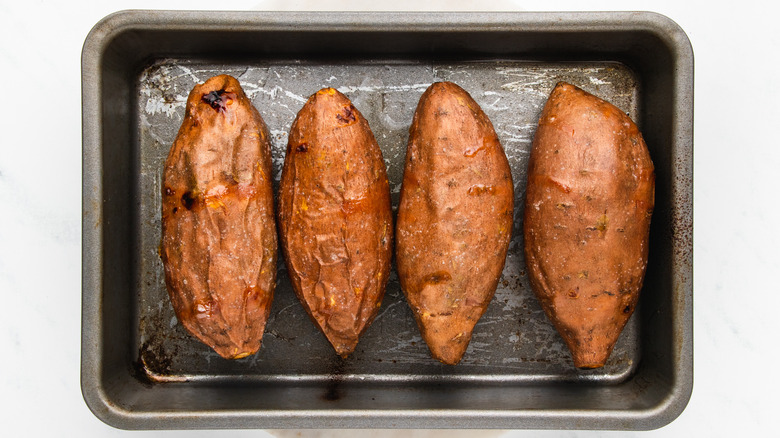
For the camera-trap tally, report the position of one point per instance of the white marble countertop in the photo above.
(736, 298)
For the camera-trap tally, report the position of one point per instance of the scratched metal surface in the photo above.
(513, 341)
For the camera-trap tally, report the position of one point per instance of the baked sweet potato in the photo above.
(218, 230)
(454, 218)
(335, 217)
(588, 204)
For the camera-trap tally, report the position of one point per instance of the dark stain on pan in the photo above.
(153, 360)
(139, 372)
(334, 387)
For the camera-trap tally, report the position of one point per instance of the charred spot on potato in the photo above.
(217, 100)
(303, 147)
(212, 99)
(188, 200)
(347, 115)
(627, 309)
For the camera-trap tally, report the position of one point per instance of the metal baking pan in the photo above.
(141, 370)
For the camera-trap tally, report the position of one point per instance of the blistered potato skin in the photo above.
(335, 218)
(218, 230)
(454, 219)
(589, 200)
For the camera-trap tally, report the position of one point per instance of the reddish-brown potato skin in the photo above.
(335, 218)
(454, 219)
(589, 199)
(218, 231)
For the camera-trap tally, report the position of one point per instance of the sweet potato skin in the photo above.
(589, 200)
(335, 217)
(218, 231)
(454, 218)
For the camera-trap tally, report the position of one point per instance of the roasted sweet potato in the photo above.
(335, 217)
(454, 219)
(218, 230)
(588, 204)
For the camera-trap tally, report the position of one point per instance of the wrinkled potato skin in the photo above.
(335, 218)
(588, 204)
(218, 231)
(454, 218)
